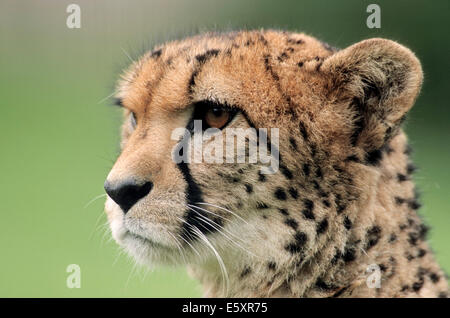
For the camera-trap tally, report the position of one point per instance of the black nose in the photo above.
(127, 193)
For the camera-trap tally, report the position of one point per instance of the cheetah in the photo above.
(342, 205)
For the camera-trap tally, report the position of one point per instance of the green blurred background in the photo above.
(59, 138)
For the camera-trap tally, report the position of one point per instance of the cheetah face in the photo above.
(318, 104)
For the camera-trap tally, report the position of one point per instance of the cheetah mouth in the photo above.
(145, 241)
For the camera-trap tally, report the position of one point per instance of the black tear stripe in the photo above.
(193, 219)
(193, 196)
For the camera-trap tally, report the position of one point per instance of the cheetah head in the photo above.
(331, 111)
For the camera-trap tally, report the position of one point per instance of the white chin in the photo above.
(148, 253)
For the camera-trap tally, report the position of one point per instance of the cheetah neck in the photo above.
(380, 252)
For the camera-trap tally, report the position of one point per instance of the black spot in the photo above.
(414, 204)
(246, 271)
(261, 206)
(374, 157)
(263, 40)
(413, 237)
(308, 210)
(340, 206)
(294, 41)
(324, 286)
(443, 295)
(202, 58)
(319, 173)
(272, 266)
(291, 222)
(284, 211)
(156, 54)
(392, 238)
(248, 188)
(421, 253)
(401, 177)
(434, 277)
(280, 194)
(336, 257)
(373, 236)
(423, 231)
(319, 189)
(300, 64)
(293, 192)
(322, 226)
(347, 223)
(300, 239)
(326, 203)
(293, 143)
(313, 149)
(382, 267)
(411, 168)
(303, 130)
(352, 158)
(192, 81)
(261, 177)
(282, 56)
(286, 172)
(399, 200)
(349, 254)
(306, 169)
(417, 285)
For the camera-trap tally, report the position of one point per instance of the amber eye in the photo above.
(217, 117)
(212, 114)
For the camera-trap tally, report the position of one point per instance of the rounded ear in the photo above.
(378, 80)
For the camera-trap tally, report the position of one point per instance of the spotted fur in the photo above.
(342, 200)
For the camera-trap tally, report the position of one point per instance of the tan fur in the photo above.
(342, 148)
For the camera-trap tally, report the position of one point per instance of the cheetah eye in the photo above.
(217, 117)
(214, 115)
(133, 120)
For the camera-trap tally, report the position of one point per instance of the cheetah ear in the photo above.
(378, 81)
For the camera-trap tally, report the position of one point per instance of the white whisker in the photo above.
(219, 229)
(219, 207)
(223, 269)
(94, 199)
(107, 97)
(128, 55)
